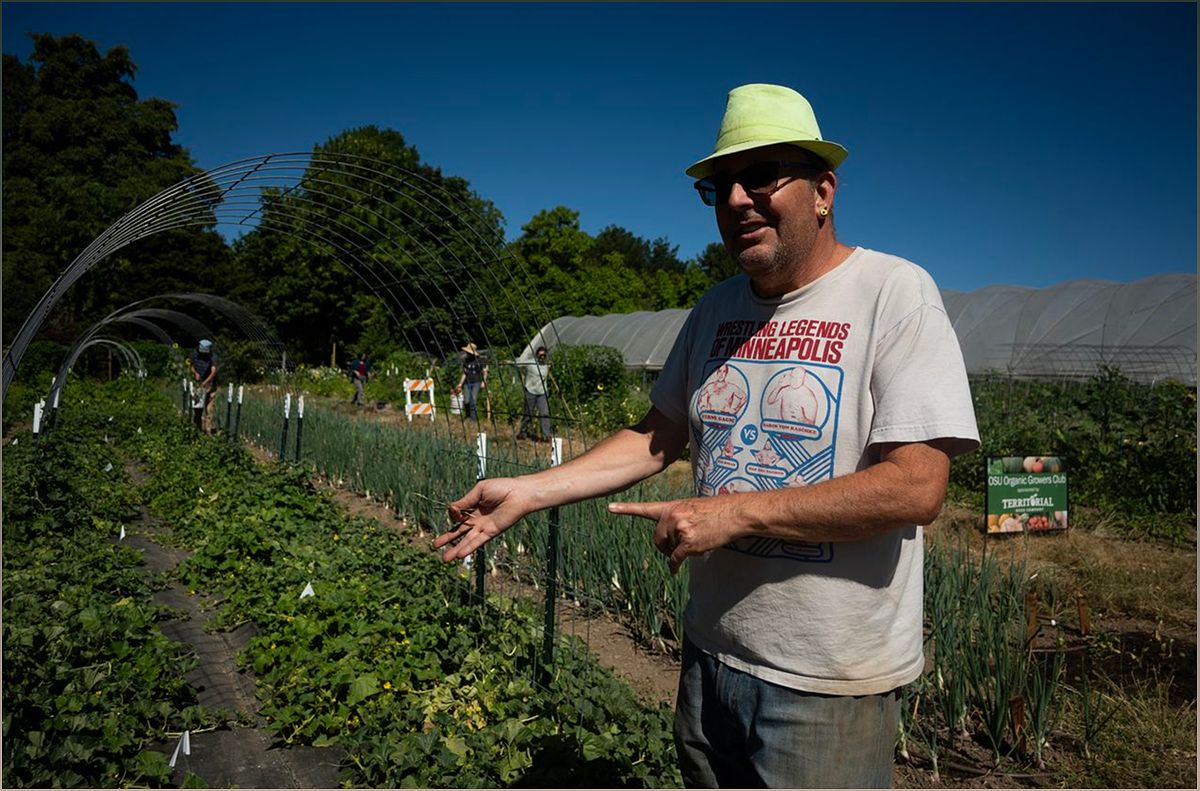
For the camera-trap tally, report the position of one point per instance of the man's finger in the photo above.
(651, 511)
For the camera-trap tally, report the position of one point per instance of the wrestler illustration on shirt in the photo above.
(792, 397)
(721, 395)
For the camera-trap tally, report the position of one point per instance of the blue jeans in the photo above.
(733, 730)
(471, 400)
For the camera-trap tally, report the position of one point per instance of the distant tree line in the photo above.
(81, 149)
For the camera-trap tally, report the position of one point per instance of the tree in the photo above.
(716, 262)
(80, 150)
(370, 225)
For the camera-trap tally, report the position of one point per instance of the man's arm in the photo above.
(615, 464)
(905, 486)
(212, 374)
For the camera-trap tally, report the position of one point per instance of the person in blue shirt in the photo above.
(203, 364)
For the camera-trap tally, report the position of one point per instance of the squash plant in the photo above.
(392, 659)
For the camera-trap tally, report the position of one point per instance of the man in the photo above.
(804, 543)
(360, 372)
(204, 371)
(535, 375)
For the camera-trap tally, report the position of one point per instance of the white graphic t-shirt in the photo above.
(792, 391)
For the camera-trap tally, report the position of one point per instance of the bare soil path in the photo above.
(242, 756)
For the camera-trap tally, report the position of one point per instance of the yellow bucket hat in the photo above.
(758, 115)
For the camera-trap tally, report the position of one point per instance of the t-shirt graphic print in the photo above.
(780, 434)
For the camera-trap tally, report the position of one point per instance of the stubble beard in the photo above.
(774, 267)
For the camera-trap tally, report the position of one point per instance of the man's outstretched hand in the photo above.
(483, 513)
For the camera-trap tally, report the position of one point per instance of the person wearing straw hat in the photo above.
(473, 379)
(803, 542)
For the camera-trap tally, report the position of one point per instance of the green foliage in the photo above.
(586, 372)
(1130, 449)
(89, 679)
(80, 150)
(397, 223)
(716, 262)
(392, 659)
(979, 640)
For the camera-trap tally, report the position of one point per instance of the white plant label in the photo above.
(287, 405)
(556, 452)
(481, 454)
(37, 417)
(308, 591)
(300, 408)
(184, 746)
(240, 387)
(108, 467)
(122, 536)
(230, 399)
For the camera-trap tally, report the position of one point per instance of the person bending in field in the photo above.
(204, 370)
(805, 609)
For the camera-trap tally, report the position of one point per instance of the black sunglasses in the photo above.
(761, 178)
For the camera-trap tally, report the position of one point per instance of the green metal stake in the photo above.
(287, 407)
(299, 425)
(481, 553)
(551, 593)
(551, 573)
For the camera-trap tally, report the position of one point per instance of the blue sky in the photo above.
(991, 143)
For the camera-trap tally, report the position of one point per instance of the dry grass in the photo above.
(1121, 579)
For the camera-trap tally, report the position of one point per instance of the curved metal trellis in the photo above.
(350, 207)
(255, 328)
(133, 361)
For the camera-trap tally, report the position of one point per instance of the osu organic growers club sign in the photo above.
(1026, 493)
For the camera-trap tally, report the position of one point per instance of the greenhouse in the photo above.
(1147, 329)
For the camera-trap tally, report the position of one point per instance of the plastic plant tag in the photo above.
(230, 399)
(37, 417)
(556, 452)
(184, 746)
(287, 405)
(308, 591)
(240, 387)
(300, 408)
(108, 467)
(122, 536)
(139, 429)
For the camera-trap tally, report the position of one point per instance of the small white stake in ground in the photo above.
(108, 467)
(556, 452)
(308, 591)
(481, 454)
(122, 536)
(184, 746)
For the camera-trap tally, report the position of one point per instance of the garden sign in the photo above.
(1026, 493)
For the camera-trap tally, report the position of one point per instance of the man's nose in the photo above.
(738, 197)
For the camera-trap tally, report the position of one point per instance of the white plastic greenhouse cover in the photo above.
(1146, 328)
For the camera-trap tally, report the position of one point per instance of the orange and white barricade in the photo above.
(414, 407)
